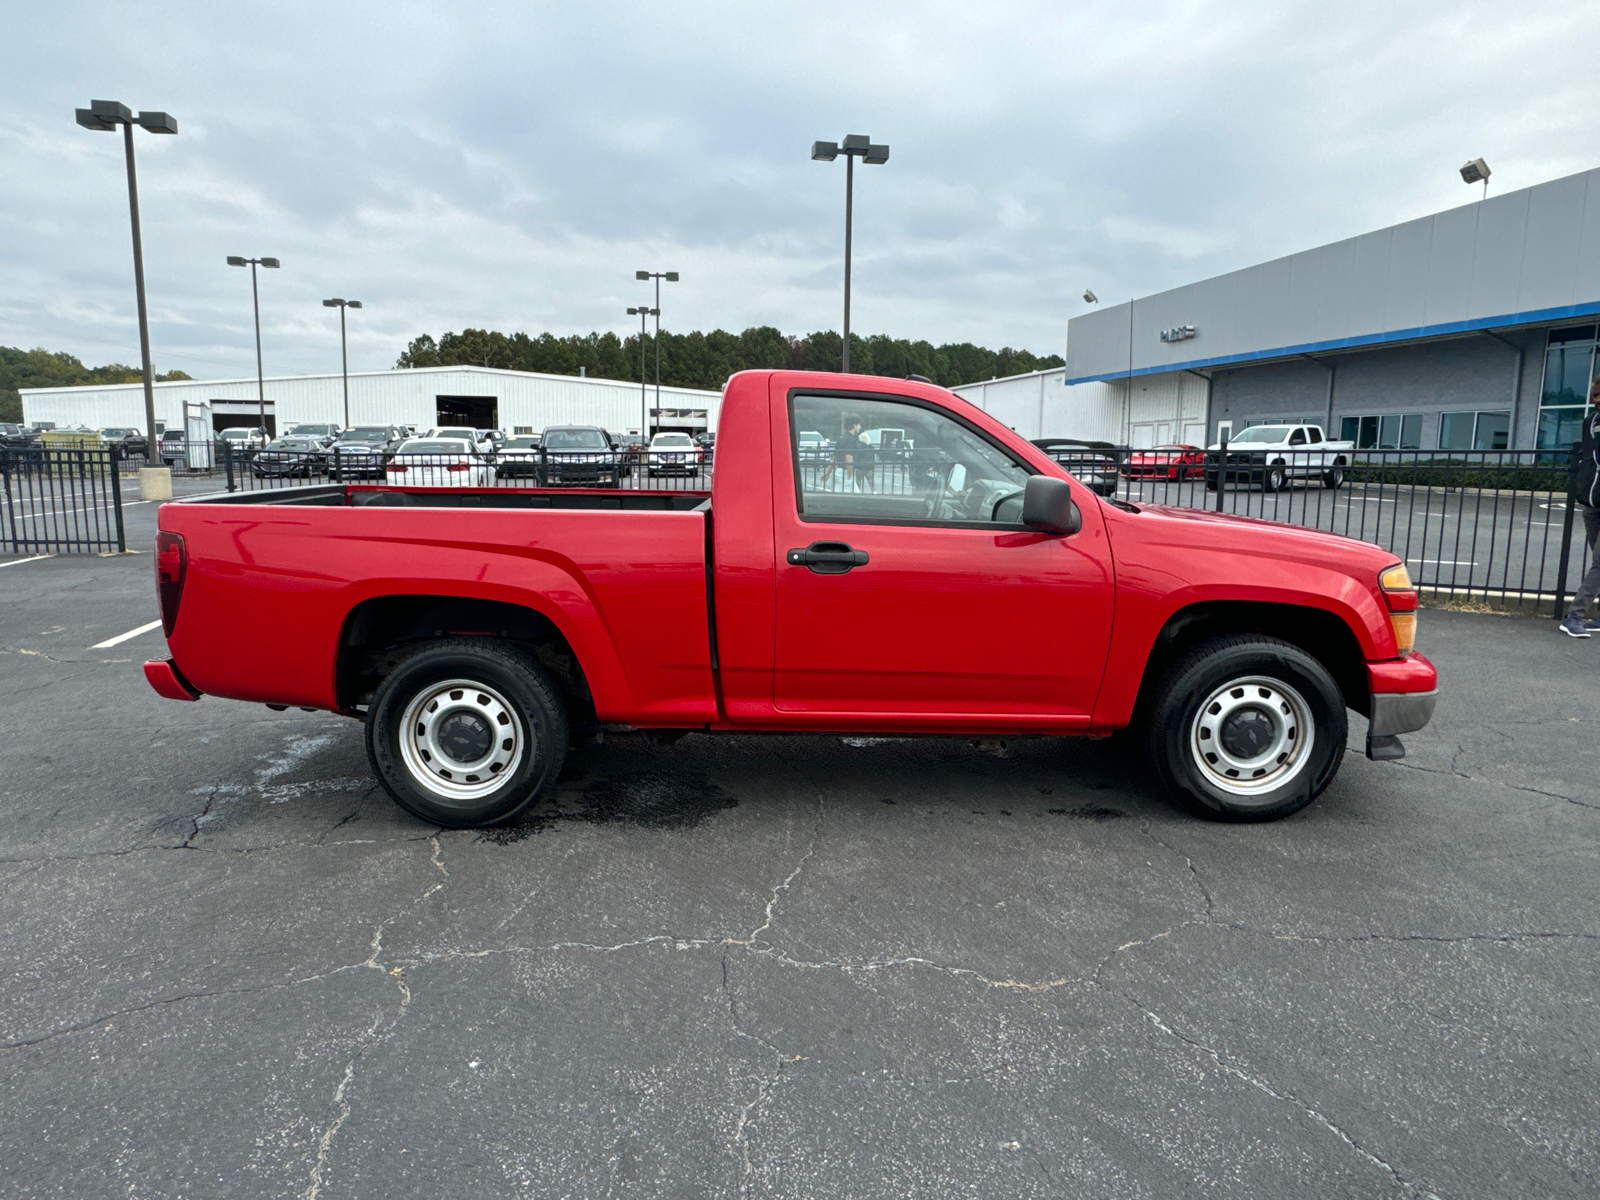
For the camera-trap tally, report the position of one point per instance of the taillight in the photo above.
(1401, 598)
(397, 466)
(455, 466)
(172, 562)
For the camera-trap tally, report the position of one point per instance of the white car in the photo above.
(673, 454)
(1272, 455)
(438, 462)
(245, 439)
(478, 437)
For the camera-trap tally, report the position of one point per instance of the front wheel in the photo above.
(1276, 479)
(1248, 728)
(466, 732)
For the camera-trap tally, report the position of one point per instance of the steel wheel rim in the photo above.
(461, 739)
(1251, 736)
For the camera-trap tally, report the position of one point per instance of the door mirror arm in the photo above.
(1048, 506)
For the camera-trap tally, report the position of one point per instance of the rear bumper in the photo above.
(1404, 692)
(163, 676)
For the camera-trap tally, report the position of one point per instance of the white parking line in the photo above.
(123, 637)
(19, 561)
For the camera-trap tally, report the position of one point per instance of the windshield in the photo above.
(575, 439)
(522, 443)
(456, 431)
(437, 446)
(235, 434)
(311, 430)
(1258, 434)
(366, 435)
(294, 443)
(672, 439)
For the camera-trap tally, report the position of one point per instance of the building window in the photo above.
(1475, 430)
(1383, 431)
(1569, 364)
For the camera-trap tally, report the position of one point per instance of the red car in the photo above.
(968, 585)
(1171, 461)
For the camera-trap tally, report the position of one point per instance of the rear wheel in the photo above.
(466, 732)
(1248, 728)
(1333, 478)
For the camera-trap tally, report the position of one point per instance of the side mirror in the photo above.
(1047, 505)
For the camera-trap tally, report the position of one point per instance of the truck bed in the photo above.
(334, 495)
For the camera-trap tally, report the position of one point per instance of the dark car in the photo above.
(1093, 464)
(580, 456)
(124, 442)
(518, 457)
(290, 456)
(16, 437)
(324, 433)
(363, 452)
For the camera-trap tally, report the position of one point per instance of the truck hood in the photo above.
(1254, 535)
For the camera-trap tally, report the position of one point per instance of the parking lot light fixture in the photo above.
(658, 276)
(856, 145)
(1476, 171)
(644, 397)
(235, 260)
(344, 352)
(105, 116)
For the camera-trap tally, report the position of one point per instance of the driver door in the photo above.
(906, 583)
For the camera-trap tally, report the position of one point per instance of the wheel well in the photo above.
(1318, 632)
(378, 633)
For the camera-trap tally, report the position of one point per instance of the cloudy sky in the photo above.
(512, 165)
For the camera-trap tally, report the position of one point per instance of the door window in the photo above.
(868, 461)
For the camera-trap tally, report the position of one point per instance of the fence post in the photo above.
(1222, 473)
(1566, 551)
(227, 463)
(11, 512)
(116, 503)
(544, 466)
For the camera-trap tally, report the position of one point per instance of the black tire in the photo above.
(1268, 694)
(1333, 478)
(1211, 483)
(498, 680)
(1275, 479)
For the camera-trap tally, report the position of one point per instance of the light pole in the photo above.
(856, 145)
(344, 351)
(1477, 171)
(658, 276)
(104, 116)
(261, 386)
(644, 399)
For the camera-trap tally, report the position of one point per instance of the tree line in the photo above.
(21, 368)
(705, 360)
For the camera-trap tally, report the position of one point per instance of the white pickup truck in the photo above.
(1272, 455)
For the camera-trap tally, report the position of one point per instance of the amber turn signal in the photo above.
(1395, 578)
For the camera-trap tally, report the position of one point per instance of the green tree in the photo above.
(705, 360)
(40, 368)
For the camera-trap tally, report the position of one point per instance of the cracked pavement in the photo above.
(766, 967)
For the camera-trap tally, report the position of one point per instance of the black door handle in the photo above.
(828, 558)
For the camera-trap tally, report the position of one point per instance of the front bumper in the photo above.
(1394, 712)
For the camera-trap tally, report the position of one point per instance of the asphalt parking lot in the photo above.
(769, 967)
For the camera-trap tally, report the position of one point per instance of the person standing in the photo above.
(1581, 619)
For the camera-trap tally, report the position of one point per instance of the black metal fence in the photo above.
(1488, 525)
(236, 468)
(60, 501)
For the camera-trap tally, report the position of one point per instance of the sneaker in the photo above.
(1574, 626)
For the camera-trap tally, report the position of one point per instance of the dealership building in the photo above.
(423, 397)
(1473, 328)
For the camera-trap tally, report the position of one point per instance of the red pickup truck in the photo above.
(874, 556)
